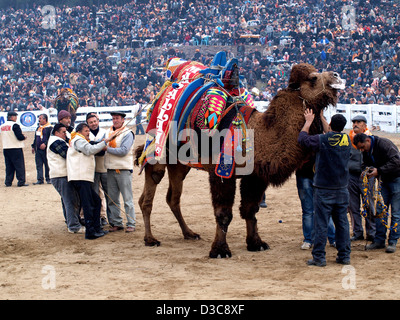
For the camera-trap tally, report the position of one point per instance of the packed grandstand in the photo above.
(114, 54)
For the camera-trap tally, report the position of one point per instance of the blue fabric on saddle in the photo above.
(195, 92)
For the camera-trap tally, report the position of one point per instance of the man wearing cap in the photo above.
(356, 185)
(119, 164)
(64, 117)
(39, 148)
(13, 144)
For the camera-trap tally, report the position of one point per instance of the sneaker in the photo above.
(391, 248)
(374, 246)
(312, 262)
(80, 231)
(306, 246)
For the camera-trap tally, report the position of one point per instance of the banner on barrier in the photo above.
(28, 120)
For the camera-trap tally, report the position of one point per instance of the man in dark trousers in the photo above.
(39, 148)
(331, 196)
(383, 158)
(13, 144)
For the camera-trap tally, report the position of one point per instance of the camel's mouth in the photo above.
(340, 84)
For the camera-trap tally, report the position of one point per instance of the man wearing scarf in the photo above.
(39, 148)
(119, 164)
(356, 185)
(383, 158)
(80, 169)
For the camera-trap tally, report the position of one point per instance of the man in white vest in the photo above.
(80, 168)
(100, 177)
(13, 144)
(119, 164)
(57, 149)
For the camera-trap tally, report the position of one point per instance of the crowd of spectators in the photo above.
(114, 55)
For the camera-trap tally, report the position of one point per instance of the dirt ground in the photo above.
(40, 260)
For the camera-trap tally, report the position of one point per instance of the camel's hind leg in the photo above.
(252, 190)
(176, 174)
(153, 176)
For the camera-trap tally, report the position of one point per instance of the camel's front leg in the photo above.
(223, 196)
(252, 190)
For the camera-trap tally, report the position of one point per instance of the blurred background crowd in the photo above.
(113, 54)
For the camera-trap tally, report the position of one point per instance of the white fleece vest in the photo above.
(57, 164)
(8, 137)
(114, 162)
(79, 165)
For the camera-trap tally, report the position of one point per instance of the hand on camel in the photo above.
(309, 116)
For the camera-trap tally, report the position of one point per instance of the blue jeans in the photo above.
(331, 203)
(305, 191)
(70, 202)
(391, 197)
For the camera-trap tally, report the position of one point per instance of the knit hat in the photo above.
(63, 114)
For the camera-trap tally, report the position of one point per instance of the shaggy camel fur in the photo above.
(276, 156)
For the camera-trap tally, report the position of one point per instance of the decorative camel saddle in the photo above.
(201, 99)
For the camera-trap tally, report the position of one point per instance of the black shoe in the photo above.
(355, 238)
(38, 182)
(375, 245)
(312, 262)
(23, 185)
(8, 185)
(48, 182)
(95, 235)
(343, 261)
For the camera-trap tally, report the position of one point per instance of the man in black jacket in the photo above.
(331, 196)
(383, 156)
(39, 148)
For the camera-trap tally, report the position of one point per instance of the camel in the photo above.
(277, 155)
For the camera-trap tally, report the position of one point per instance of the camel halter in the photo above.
(316, 95)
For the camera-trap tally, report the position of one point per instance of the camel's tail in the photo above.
(138, 154)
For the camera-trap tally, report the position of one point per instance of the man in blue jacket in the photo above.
(331, 196)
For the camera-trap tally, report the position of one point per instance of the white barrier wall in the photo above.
(385, 117)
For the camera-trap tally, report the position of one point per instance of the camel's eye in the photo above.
(336, 75)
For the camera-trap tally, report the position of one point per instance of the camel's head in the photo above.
(318, 90)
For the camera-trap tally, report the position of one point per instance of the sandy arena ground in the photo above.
(39, 259)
